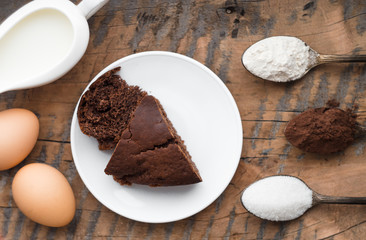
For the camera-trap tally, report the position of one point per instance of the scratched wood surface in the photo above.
(215, 33)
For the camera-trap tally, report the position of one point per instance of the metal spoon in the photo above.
(263, 204)
(361, 131)
(314, 59)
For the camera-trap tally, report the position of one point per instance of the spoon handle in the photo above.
(319, 198)
(341, 58)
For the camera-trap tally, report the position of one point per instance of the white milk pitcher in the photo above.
(42, 41)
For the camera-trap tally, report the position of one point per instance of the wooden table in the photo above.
(215, 33)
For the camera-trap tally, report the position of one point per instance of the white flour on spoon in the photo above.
(279, 59)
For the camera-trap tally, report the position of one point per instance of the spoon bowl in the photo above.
(285, 59)
(42, 41)
(284, 198)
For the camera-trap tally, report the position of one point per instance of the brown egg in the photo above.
(44, 195)
(19, 130)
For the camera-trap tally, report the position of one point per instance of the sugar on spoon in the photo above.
(284, 58)
(284, 198)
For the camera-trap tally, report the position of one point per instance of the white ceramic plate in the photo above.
(204, 114)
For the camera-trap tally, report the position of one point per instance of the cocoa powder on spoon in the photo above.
(323, 130)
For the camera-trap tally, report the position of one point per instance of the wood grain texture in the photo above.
(215, 33)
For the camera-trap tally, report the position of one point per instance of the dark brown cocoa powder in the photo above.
(322, 130)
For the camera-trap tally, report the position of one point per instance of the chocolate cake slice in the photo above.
(150, 152)
(106, 108)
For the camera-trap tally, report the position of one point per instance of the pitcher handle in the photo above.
(89, 7)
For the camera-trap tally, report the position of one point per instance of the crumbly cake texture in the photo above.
(150, 152)
(106, 108)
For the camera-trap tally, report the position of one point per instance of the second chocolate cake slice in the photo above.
(150, 152)
(105, 109)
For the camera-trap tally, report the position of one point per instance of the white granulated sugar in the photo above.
(278, 198)
(279, 59)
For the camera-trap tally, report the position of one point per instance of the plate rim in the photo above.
(213, 76)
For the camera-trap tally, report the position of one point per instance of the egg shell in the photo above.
(44, 195)
(19, 130)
